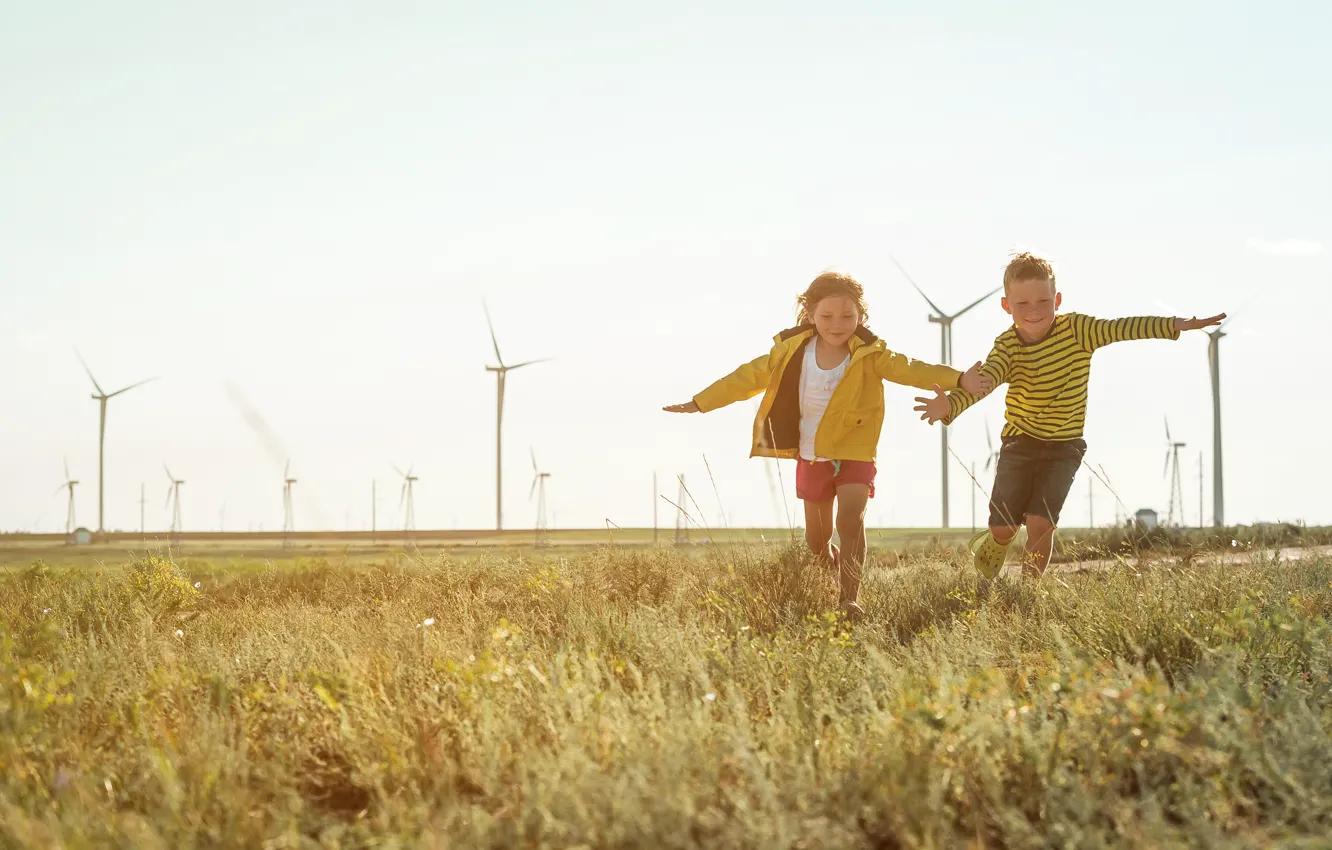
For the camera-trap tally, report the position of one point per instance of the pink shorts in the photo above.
(818, 480)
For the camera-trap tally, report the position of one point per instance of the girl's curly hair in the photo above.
(826, 285)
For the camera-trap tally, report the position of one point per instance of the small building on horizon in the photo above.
(1145, 518)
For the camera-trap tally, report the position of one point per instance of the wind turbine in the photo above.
(1214, 366)
(945, 323)
(288, 521)
(405, 498)
(539, 488)
(1172, 467)
(501, 373)
(69, 514)
(102, 398)
(173, 497)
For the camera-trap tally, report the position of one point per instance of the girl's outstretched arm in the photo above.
(901, 369)
(745, 382)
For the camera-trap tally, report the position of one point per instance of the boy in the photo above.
(1046, 360)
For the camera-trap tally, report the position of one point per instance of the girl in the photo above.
(822, 386)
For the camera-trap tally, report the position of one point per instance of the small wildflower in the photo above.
(1054, 689)
(1024, 709)
(46, 610)
(180, 633)
(197, 584)
(427, 623)
(709, 696)
(1109, 693)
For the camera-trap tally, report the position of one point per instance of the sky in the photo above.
(309, 202)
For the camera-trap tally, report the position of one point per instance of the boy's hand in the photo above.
(935, 408)
(974, 382)
(687, 407)
(1195, 323)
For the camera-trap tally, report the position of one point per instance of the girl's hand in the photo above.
(1195, 323)
(974, 382)
(935, 408)
(687, 407)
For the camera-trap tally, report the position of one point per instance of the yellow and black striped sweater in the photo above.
(1047, 380)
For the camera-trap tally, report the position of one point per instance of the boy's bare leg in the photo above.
(851, 502)
(819, 530)
(1004, 534)
(1040, 540)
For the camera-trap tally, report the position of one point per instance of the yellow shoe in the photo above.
(988, 557)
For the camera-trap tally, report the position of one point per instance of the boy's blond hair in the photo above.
(1028, 266)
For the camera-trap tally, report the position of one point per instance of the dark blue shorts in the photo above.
(1033, 478)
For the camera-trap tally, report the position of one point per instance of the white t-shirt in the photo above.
(816, 387)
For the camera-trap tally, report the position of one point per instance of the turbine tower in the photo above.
(102, 398)
(539, 488)
(173, 500)
(1214, 366)
(69, 513)
(405, 498)
(501, 373)
(945, 323)
(1172, 468)
(288, 521)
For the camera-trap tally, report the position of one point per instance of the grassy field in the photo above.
(634, 697)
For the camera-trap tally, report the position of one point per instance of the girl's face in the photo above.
(836, 319)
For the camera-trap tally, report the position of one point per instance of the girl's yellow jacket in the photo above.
(853, 419)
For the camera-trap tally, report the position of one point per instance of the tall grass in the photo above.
(629, 698)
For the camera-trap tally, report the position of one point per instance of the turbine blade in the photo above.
(977, 301)
(400, 472)
(402, 495)
(530, 362)
(89, 371)
(130, 387)
(66, 469)
(535, 479)
(491, 326)
(272, 445)
(933, 306)
(171, 477)
(1166, 469)
(1167, 424)
(286, 471)
(989, 441)
(534, 463)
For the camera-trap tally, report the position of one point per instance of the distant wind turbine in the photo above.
(69, 513)
(945, 323)
(173, 500)
(501, 374)
(102, 398)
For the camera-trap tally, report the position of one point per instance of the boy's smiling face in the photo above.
(1032, 303)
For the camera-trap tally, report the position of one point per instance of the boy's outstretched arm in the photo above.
(1095, 333)
(745, 382)
(990, 374)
